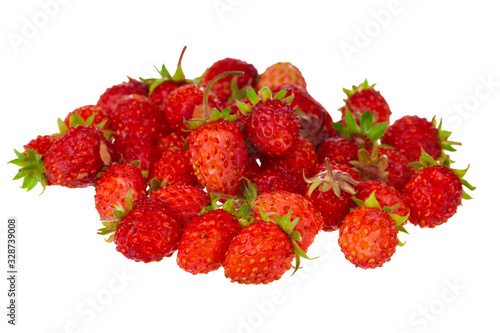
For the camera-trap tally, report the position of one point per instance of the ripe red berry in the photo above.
(108, 99)
(174, 168)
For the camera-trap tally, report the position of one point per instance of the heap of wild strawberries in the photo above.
(242, 170)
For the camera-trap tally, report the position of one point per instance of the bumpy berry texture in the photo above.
(129, 149)
(119, 181)
(150, 232)
(77, 157)
(365, 97)
(338, 149)
(261, 253)
(41, 143)
(387, 196)
(109, 98)
(218, 156)
(185, 200)
(433, 195)
(222, 88)
(99, 113)
(368, 237)
(280, 202)
(205, 241)
(279, 74)
(278, 179)
(174, 168)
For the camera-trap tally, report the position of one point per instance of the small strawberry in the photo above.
(113, 94)
(129, 149)
(205, 240)
(151, 231)
(185, 103)
(174, 168)
(74, 160)
(368, 236)
(272, 125)
(410, 134)
(364, 97)
(387, 196)
(339, 150)
(136, 115)
(185, 200)
(435, 192)
(115, 184)
(278, 179)
(42, 143)
(280, 202)
(173, 140)
(331, 191)
(223, 88)
(385, 165)
(99, 114)
(279, 74)
(302, 159)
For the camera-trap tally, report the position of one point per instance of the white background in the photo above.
(427, 58)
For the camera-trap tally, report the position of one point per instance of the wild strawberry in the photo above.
(279, 74)
(272, 125)
(150, 232)
(98, 113)
(185, 103)
(223, 87)
(174, 168)
(108, 99)
(205, 240)
(410, 134)
(41, 144)
(435, 192)
(368, 236)
(385, 165)
(115, 184)
(364, 97)
(301, 159)
(173, 140)
(136, 115)
(331, 191)
(280, 202)
(185, 200)
(387, 196)
(252, 167)
(278, 179)
(339, 150)
(74, 160)
(129, 149)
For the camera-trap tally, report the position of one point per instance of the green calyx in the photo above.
(426, 161)
(372, 202)
(446, 145)
(238, 94)
(263, 96)
(287, 225)
(371, 166)
(166, 77)
(111, 223)
(364, 135)
(236, 206)
(363, 86)
(194, 123)
(32, 169)
(331, 180)
(76, 120)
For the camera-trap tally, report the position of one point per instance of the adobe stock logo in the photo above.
(31, 25)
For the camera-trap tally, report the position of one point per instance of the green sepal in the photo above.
(371, 166)
(63, 128)
(244, 108)
(363, 86)
(237, 93)
(367, 128)
(32, 169)
(443, 137)
(156, 184)
(331, 180)
(252, 96)
(265, 94)
(280, 95)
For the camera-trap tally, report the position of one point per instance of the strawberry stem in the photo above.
(206, 115)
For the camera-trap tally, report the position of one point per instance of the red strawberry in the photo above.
(280, 202)
(272, 125)
(222, 88)
(435, 192)
(74, 160)
(259, 254)
(129, 149)
(301, 159)
(204, 243)
(186, 102)
(278, 179)
(218, 156)
(338, 149)
(87, 111)
(279, 74)
(42, 143)
(387, 196)
(136, 115)
(365, 97)
(173, 140)
(119, 181)
(174, 168)
(331, 191)
(150, 232)
(410, 134)
(116, 92)
(185, 200)
(385, 165)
